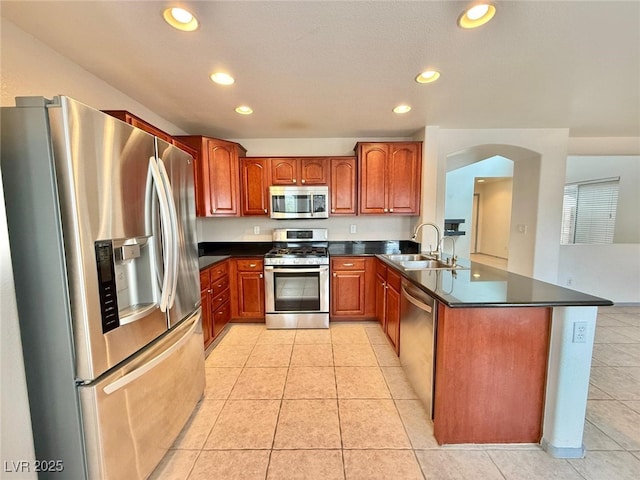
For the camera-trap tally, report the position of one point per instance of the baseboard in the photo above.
(562, 452)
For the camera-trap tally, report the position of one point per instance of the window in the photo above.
(589, 211)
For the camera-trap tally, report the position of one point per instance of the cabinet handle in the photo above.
(391, 210)
(252, 265)
(265, 211)
(261, 275)
(293, 180)
(385, 210)
(335, 274)
(219, 285)
(333, 210)
(347, 264)
(303, 181)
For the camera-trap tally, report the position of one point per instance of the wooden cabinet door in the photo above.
(284, 171)
(247, 288)
(343, 186)
(373, 178)
(255, 178)
(392, 307)
(404, 178)
(381, 301)
(347, 293)
(207, 331)
(250, 295)
(222, 179)
(314, 171)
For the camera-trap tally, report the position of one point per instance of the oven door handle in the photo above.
(274, 269)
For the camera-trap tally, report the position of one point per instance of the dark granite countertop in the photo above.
(208, 260)
(476, 286)
(483, 286)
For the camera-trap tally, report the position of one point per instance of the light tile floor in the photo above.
(334, 404)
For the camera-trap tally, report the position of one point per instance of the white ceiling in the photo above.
(337, 68)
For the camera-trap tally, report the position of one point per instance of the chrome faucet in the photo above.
(453, 259)
(415, 235)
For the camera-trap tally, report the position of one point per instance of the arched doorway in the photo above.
(513, 209)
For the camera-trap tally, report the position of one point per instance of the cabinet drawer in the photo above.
(393, 279)
(347, 263)
(220, 298)
(219, 285)
(219, 270)
(204, 279)
(222, 314)
(250, 265)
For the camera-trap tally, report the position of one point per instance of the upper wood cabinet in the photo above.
(131, 119)
(299, 171)
(389, 178)
(255, 178)
(343, 185)
(217, 175)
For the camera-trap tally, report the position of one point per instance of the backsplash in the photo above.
(367, 227)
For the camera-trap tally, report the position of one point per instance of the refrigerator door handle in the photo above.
(173, 217)
(141, 370)
(166, 230)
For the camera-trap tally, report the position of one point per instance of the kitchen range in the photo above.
(296, 278)
(102, 231)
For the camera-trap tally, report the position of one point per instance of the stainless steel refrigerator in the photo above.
(101, 220)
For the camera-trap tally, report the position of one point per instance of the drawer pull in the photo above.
(252, 265)
(347, 264)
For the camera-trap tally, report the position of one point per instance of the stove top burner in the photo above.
(298, 252)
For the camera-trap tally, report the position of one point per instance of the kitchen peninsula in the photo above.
(509, 366)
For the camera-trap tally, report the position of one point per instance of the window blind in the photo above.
(589, 212)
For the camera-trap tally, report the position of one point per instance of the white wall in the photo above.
(459, 194)
(495, 217)
(539, 156)
(16, 442)
(29, 67)
(627, 167)
(610, 271)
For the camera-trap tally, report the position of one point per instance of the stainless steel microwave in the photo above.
(299, 202)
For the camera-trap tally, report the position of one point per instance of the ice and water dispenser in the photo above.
(125, 279)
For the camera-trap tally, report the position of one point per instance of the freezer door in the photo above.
(101, 170)
(186, 283)
(133, 416)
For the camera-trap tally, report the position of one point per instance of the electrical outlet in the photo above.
(580, 332)
(353, 228)
(256, 230)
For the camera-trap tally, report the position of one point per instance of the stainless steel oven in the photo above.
(296, 277)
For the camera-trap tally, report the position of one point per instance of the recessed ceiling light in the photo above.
(402, 109)
(428, 76)
(477, 15)
(180, 19)
(480, 180)
(244, 110)
(222, 78)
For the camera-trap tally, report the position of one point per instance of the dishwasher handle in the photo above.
(415, 301)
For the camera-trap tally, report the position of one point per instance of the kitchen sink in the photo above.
(408, 257)
(420, 261)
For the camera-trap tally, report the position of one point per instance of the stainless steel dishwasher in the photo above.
(418, 313)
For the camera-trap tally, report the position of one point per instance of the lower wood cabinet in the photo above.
(215, 300)
(491, 366)
(352, 288)
(248, 289)
(387, 288)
